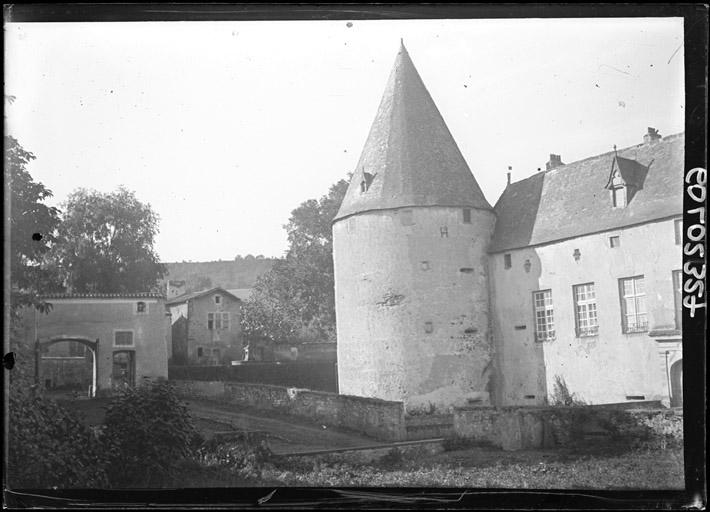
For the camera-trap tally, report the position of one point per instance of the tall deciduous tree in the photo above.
(105, 243)
(32, 229)
(295, 300)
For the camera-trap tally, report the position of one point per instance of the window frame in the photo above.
(590, 329)
(615, 238)
(133, 338)
(145, 308)
(467, 215)
(507, 261)
(678, 231)
(549, 320)
(218, 299)
(618, 201)
(218, 321)
(639, 326)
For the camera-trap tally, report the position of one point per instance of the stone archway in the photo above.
(93, 345)
(676, 378)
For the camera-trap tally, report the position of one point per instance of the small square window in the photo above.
(218, 299)
(467, 216)
(428, 327)
(141, 308)
(507, 261)
(614, 242)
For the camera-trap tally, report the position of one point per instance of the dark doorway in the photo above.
(677, 384)
(124, 369)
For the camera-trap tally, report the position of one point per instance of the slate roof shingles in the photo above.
(411, 152)
(572, 200)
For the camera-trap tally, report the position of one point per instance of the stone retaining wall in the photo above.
(519, 428)
(380, 419)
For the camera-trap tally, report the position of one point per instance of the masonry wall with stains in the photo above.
(94, 319)
(412, 306)
(607, 367)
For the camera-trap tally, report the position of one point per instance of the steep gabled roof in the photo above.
(632, 173)
(572, 200)
(410, 157)
(194, 295)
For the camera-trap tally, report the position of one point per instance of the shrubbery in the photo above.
(147, 431)
(49, 446)
(147, 434)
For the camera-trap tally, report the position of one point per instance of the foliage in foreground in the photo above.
(147, 431)
(49, 446)
(633, 470)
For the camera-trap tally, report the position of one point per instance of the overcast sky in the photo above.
(225, 127)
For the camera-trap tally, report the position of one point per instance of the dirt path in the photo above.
(284, 434)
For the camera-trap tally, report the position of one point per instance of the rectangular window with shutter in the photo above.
(585, 310)
(544, 315)
(633, 305)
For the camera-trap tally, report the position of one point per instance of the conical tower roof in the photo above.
(410, 157)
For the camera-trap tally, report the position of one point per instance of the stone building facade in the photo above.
(206, 328)
(569, 281)
(124, 339)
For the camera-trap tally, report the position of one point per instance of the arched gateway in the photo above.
(92, 345)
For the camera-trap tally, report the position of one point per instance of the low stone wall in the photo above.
(519, 428)
(378, 418)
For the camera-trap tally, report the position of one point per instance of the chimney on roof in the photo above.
(510, 170)
(651, 136)
(554, 162)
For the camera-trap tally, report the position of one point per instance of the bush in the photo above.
(49, 446)
(147, 432)
(562, 397)
(244, 457)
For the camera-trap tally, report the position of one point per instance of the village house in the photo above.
(99, 342)
(205, 328)
(570, 283)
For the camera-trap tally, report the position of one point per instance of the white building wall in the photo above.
(600, 369)
(396, 279)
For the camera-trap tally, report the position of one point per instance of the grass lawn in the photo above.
(587, 467)
(484, 468)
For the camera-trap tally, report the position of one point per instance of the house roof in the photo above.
(194, 295)
(410, 157)
(241, 293)
(572, 200)
(140, 295)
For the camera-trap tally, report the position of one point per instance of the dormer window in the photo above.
(366, 181)
(618, 197)
(625, 180)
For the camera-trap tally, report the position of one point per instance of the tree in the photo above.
(296, 298)
(105, 243)
(32, 230)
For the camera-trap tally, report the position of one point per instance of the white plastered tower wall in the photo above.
(412, 306)
(410, 254)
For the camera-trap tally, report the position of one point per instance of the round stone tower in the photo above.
(409, 249)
